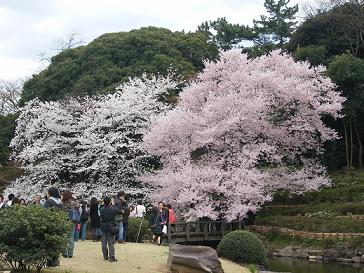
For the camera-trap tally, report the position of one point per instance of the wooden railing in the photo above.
(201, 230)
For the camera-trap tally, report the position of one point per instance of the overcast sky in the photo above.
(29, 27)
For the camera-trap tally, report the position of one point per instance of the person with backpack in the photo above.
(84, 220)
(109, 229)
(72, 208)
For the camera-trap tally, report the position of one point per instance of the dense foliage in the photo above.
(244, 129)
(7, 126)
(242, 247)
(8, 173)
(352, 208)
(348, 73)
(326, 222)
(269, 32)
(346, 187)
(278, 240)
(133, 229)
(331, 32)
(89, 145)
(112, 58)
(31, 235)
(278, 26)
(334, 36)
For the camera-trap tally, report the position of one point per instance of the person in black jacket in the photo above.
(156, 225)
(95, 219)
(53, 202)
(126, 214)
(53, 198)
(122, 220)
(109, 228)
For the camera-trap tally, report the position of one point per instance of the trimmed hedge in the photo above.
(242, 246)
(314, 223)
(293, 210)
(30, 236)
(133, 228)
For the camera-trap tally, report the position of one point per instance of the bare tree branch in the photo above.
(71, 41)
(10, 91)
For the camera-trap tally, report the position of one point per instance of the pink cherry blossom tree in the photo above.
(243, 130)
(89, 145)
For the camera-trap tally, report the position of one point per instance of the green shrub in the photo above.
(133, 227)
(278, 239)
(242, 246)
(293, 210)
(252, 268)
(346, 187)
(314, 224)
(30, 236)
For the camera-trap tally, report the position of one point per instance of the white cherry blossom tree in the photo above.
(89, 145)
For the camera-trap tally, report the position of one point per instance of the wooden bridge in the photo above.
(181, 232)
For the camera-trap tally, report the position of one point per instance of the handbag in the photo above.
(164, 230)
(113, 228)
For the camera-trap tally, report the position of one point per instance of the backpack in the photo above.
(171, 216)
(53, 204)
(74, 216)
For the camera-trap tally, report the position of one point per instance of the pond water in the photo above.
(304, 266)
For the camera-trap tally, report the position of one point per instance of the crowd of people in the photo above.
(107, 219)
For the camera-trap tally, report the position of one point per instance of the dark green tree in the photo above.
(316, 55)
(114, 57)
(329, 33)
(268, 33)
(7, 126)
(225, 34)
(348, 73)
(334, 36)
(278, 26)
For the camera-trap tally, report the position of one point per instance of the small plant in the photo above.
(328, 243)
(133, 229)
(31, 236)
(252, 268)
(242, 246)
(320, 214)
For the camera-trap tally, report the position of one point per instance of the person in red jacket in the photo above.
(171, 216)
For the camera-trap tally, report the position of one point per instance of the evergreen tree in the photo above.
(278, 26)
(225, 34)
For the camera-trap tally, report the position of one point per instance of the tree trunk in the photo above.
(360, 155)
(351, 143)
(346, 144)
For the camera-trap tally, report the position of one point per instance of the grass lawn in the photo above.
(132, 258)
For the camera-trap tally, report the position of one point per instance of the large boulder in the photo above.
(193, 259)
